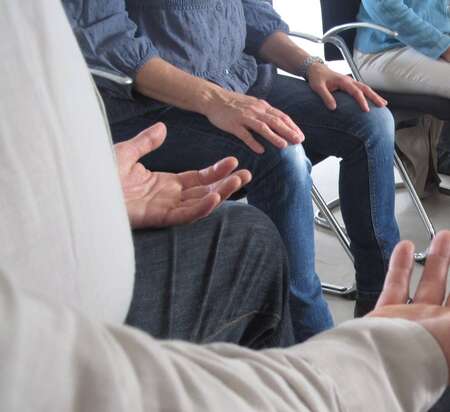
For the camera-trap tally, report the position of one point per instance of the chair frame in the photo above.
(324, 217)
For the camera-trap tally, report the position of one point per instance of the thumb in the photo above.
(147, 141)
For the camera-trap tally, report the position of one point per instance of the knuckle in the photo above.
(277, 122)
(286, 118)
(265, 129)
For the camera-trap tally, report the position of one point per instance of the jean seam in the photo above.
(241, 318)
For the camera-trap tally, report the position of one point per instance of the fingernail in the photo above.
(158, 127)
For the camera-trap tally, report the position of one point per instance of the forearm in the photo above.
(280, 50)
(162, 81)
(91, 366)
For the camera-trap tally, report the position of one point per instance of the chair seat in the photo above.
(438, 107)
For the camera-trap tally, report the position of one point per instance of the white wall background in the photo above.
(303, 16)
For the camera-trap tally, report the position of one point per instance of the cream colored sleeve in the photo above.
(55, 360)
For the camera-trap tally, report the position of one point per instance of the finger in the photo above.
(372, 95)
(281, 128)
(354, 91)
(288, 121)
(244, 135)
(396, 285)
(432, 285)
(195, 193)
(232, 184)
(266, 132)
(225, 188)
(145, 142)
(192, 211)
(209, 175)
(327, 97)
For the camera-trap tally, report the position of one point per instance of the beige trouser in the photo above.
(405, 70)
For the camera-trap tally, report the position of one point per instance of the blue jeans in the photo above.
(281, 185)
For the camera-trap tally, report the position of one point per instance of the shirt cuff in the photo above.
(437, 51)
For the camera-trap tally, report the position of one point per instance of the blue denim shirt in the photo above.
(422, 24)
(217, 40)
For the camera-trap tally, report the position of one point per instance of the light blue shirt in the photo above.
(422, 24)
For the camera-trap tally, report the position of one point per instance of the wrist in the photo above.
(208, 97)
(446, 55)
(308, 65)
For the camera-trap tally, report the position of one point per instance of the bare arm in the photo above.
(165, 82)
(232, 112)
(280, 50)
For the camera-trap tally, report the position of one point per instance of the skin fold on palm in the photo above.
(156, 199)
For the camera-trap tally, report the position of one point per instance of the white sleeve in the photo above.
(55, 360)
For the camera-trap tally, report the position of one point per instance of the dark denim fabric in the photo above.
(281, 185)
(208, 282)
(443, 405)
(213, 39)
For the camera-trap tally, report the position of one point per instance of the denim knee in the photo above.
(378, 128)
(289, 167)
(248, 219)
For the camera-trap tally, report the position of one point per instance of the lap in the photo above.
(209, 280)
(404, 70)
(193, 142)
(327, 132)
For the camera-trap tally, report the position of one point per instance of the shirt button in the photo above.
(227, 71)
(219, 7)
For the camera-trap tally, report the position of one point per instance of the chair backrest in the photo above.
(334, 13)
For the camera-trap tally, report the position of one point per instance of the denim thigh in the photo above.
(365, 144)
(223, 278)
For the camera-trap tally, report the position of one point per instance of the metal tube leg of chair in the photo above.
(347, 292)
(420, 257)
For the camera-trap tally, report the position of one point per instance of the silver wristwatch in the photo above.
(304, 67)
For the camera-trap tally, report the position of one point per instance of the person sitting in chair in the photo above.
(200, 68)
(66, 269)
(417, 61)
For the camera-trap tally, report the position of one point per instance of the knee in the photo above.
(289, 166)
(255, 229)
(244, 218)
(379, 128)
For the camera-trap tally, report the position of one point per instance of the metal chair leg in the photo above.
(347, 292)
(420, 257)
(322, 215)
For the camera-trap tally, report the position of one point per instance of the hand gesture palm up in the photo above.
(431, 306)
(155, 199)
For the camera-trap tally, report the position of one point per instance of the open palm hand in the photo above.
(155, 199)
(431, 303)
